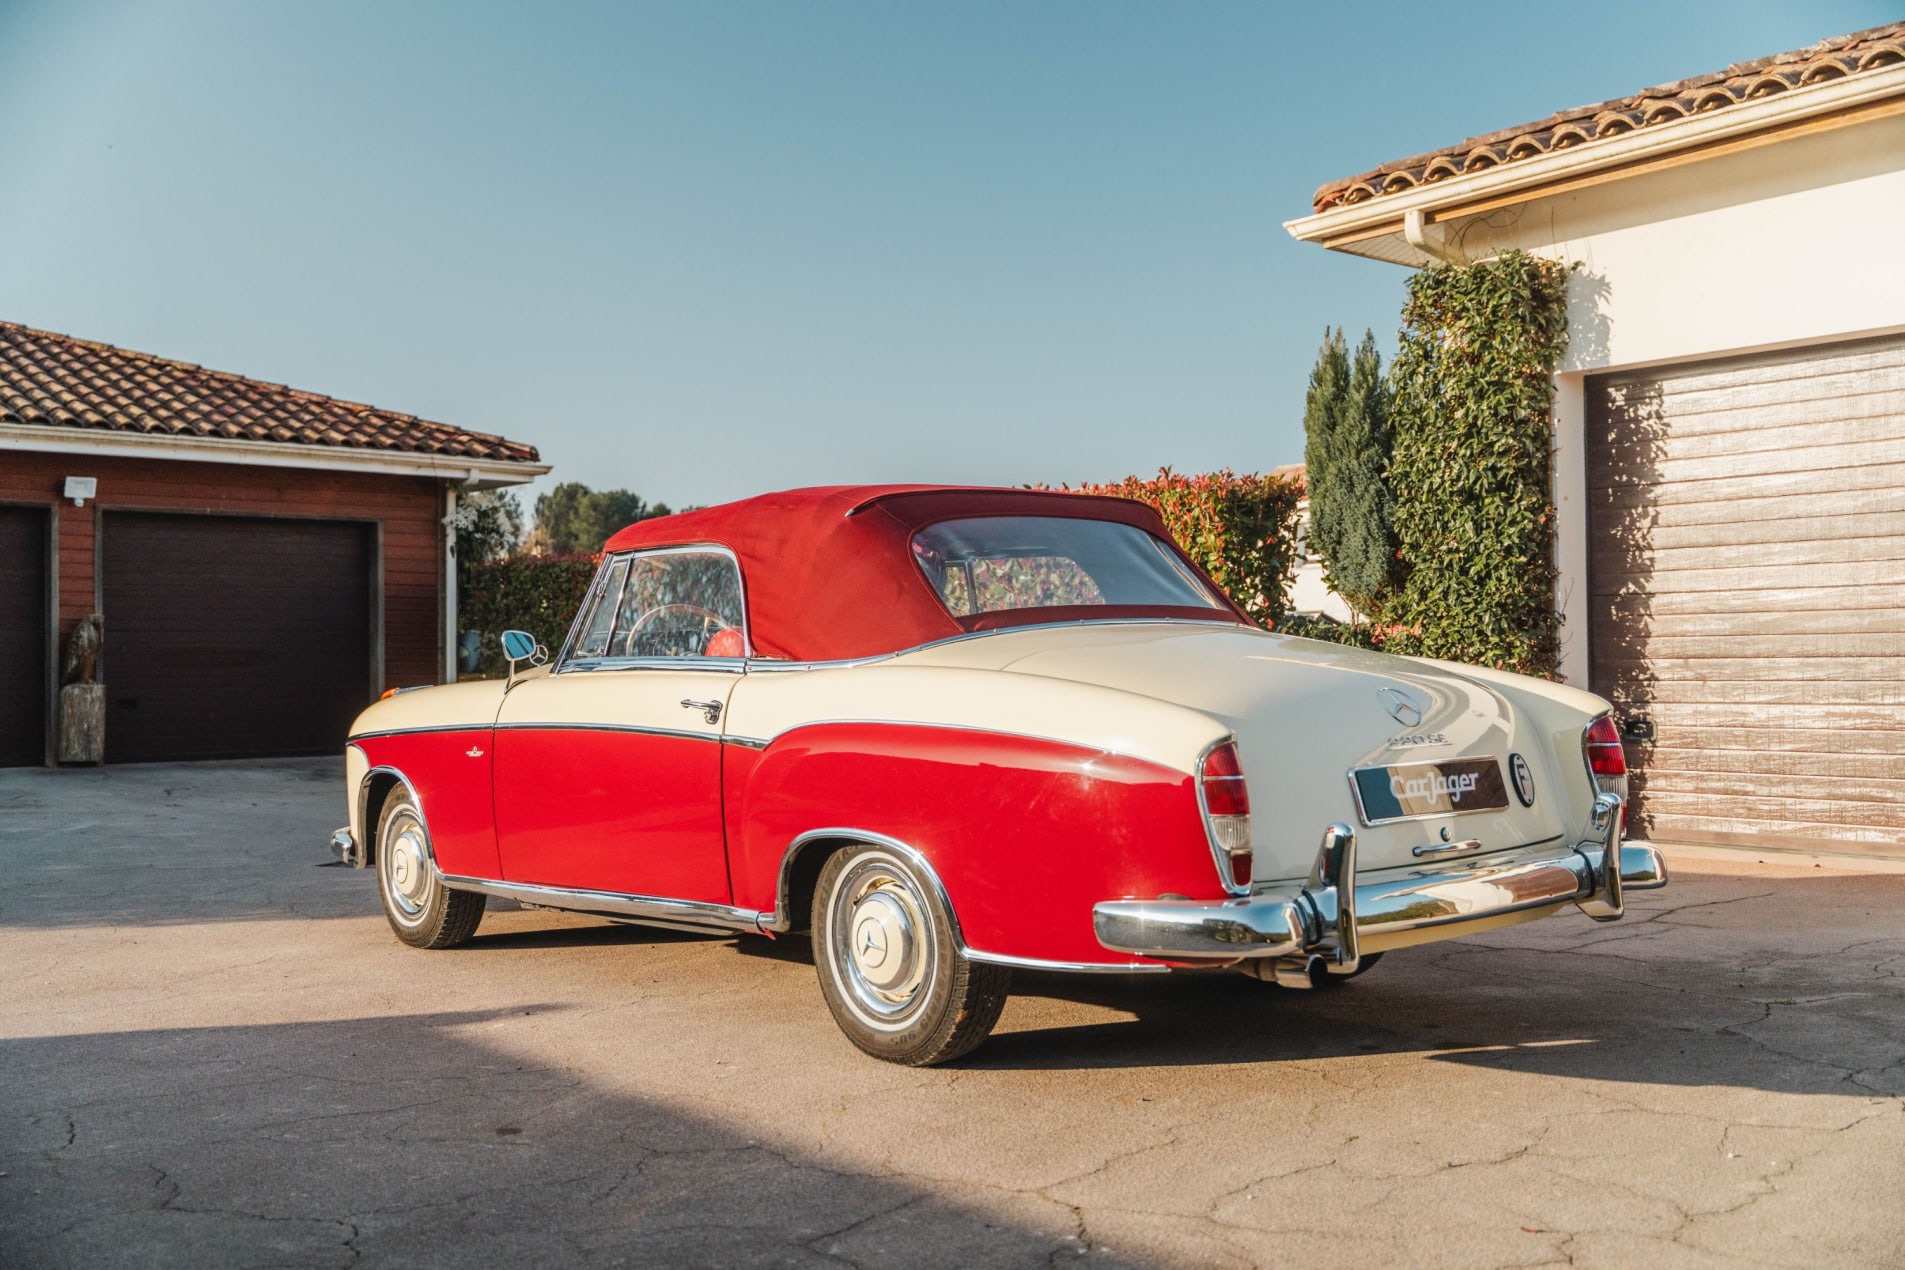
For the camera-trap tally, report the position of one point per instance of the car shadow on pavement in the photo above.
(538, 929)
(417, 1140)
(1797, 1021)
(1516, 1009)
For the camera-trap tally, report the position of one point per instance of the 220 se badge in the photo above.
(947, 733)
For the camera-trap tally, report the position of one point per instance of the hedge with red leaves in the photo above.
(1241, 529)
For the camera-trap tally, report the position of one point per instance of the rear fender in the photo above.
(1025, 834)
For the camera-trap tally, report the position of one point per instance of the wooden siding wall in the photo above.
(1747, 592)
(408, 511)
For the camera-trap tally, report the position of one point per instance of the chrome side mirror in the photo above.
(522, 646)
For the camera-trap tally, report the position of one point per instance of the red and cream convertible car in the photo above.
(954, 731)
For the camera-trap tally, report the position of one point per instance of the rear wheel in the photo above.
(889, 966)
(424, 912)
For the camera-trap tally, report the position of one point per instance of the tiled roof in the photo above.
(1748, 81)
(50, 380)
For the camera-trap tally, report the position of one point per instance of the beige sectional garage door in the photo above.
(1747, 580)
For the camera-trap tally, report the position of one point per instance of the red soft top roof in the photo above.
(829, 571)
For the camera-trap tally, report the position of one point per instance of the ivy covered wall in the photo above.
(1472, 466)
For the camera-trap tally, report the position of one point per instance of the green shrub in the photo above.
(1345, 456)
(1240, 529)
(538, 594)
(1322, 626)
(1472, 462)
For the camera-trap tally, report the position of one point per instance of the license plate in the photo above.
(1411, 790)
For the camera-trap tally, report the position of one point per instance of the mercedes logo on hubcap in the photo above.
(1401, 706)
(872, 947)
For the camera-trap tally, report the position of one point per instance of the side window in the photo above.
(670, 603)
(604, 597)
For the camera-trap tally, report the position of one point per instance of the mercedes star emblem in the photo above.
(1401, 706)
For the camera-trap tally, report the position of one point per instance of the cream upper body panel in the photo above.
(769, 702)
(469, 704)
(661, 698)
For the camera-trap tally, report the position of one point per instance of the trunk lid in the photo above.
(1307, 714)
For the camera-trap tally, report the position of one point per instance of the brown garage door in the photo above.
(1748, 592)
(22, 636)
(228, 637)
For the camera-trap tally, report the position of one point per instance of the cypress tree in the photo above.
(1346, 460)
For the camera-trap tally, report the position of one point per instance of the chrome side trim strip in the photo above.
(521, 726)
(355, 737)
(612, 903)
(1068, 967)
(684, 734)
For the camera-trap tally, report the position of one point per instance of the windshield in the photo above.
(992, 564)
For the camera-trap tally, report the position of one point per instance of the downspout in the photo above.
(1415, 228)
(449, 583)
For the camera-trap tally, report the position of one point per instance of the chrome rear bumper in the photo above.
(1311, 931)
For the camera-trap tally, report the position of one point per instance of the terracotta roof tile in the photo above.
(1820, 63)
(50, 380)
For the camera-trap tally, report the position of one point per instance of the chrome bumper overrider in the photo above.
(1316, 929)
(345, 844)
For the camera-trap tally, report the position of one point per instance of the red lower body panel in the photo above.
(1027, 835)
(631, 812)
(450, 773)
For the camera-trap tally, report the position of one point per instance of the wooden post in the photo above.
(83, 723)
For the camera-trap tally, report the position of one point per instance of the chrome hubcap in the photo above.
(406, 862)
(881, 940)
(884, 940)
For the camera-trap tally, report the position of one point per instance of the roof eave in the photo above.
(473, 473)
(1355, 225)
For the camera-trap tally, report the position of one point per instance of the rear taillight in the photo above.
(1606, 760)
(1227, 811)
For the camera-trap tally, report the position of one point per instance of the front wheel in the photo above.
(889, 966)
(424, 912)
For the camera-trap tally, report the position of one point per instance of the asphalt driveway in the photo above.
(212, 1052)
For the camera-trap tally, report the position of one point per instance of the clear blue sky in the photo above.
(701, 250)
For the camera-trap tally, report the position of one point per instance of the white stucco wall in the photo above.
(1787, 244)
(1308, 594)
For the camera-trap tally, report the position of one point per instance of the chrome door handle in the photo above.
(710, 710)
